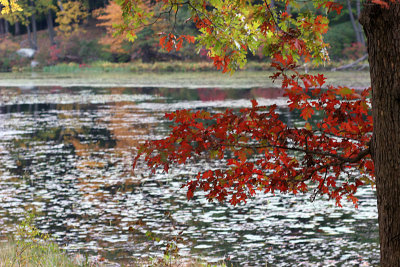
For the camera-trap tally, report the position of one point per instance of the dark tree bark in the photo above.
(2, 26)
(6, 27)
(34, 32)
(17, 28)
(28, 29)
(50, 26)
(382, 28)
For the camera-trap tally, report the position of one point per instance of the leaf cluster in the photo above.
(258, 151)
(70, 17)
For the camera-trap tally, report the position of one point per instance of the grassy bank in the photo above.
(242, 79)
(104, 66)
(48, 254)
(139, 67)
(29, 247)
(167, 66)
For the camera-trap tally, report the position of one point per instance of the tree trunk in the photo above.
(6, 26)
(28, 28)
(360, 30)
(34, 32)
(50, 26)
(60, 5)
(34, 26)
(382, 28)
(17, 28)
(1, 26)
(356, 26)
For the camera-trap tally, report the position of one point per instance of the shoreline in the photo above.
(191, 80)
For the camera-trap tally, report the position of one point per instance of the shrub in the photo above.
(354, 51)
(339, 37)
(30, 247)
(76, 49)
(9, 59)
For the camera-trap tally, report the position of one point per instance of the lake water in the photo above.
(67, 152)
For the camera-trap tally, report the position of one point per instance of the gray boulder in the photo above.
(26, 52)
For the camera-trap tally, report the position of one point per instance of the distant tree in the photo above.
(110, 16)
(10, 18)
(146, 45)
(47, 8)
(354, 21)
(32, 37)
(27, 17)
(10, 6)
(69, 17)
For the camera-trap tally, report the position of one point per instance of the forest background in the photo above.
(76, 35)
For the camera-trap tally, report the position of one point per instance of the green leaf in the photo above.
(345, 91)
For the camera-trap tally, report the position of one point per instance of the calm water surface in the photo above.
(67, 152)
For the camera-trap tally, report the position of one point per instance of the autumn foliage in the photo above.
(259, 152)
(10, 6)
(327, 154)
(109, 16)
(69, 18)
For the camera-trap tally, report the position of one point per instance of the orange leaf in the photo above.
(307, 112)
(381, 3)
(321, 79)
(179, 44)
(162, 41)
(189, 38)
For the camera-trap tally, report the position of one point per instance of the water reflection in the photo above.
(68, 153)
